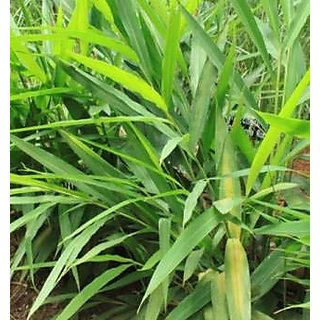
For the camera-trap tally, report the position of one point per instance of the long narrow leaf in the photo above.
(125, 78)
(237, 281)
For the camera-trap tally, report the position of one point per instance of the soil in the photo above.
(301, 165)
(22, 296)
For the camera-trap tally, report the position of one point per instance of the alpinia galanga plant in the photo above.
(135, 188)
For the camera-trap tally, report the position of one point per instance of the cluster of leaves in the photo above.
(132, 192)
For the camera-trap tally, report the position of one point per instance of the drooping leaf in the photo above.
(125, 78)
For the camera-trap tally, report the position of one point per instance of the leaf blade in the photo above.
(128, 80)
(237, 279)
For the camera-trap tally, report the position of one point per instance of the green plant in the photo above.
(132, 187)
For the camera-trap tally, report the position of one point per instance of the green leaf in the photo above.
(26, 58)
(271, 7)
(104, 8)
(192, 200)
(161, 7)
(147, 146)
(169, 147)
(94, 252)
(152, 261)
(79, 21)
(201, 103)
(155, 304)
(106, 214)
(66, 228)
(29, 216)
(160, 26)
(218, 297)
(297, 23)
(272, 45)
(38, 93)
(229, 188)
(275, 188)
(237, 281)
(138, 36)
(291, 126)
(170, 54)
(83, 122)
(26, 180)
(197, 60)
(43, 199)
(268, 273)
(125, 78)
(192, 263)
(33, 228)
(305, 305)
(287, 229)
(164, 241)
(158, 298)
(54, 164)
(119, 100)
(90, 36)
(136, 160)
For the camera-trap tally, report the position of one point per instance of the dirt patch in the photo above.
(302, 165)
(22, 297)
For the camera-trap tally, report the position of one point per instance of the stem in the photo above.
(276, 105)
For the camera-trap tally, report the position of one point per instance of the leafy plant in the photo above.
(132, 186)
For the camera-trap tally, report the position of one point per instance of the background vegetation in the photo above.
(152, 155)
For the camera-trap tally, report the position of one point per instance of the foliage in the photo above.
(132, 189)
